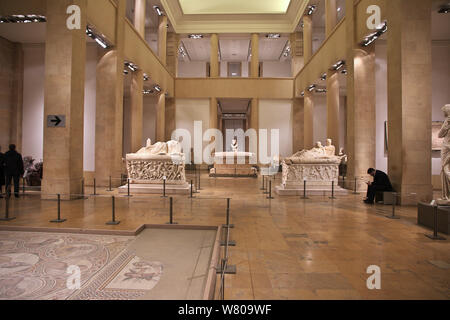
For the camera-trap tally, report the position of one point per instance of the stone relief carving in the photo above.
(156, 170)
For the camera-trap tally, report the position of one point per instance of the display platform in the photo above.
(171, 189)
(234, 164)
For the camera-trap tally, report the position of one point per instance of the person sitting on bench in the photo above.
(381, 183)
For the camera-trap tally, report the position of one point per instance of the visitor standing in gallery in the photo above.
(2, 172)
(13, 169)
(381, 183)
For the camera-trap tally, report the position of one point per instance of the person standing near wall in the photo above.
(13, 169)
(2, 172)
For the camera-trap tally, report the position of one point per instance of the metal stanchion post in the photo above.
(270, 190)
(7, 218)
(266, 191)
(304, 191)
(263, 186)
(110, 184)
(23, 185)
(332, 190)
(192, 190)
(128, 189)
(113, 222)
(435, 235)
(164, 188)
(95, 187)
(59, 220)
(394, 203)
(228, 225)
(356, 186)
(199, 179)
(171, 212)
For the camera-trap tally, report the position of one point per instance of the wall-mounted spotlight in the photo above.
(321, 90)
(158, 10)
(302, 94)
(344, 71)
(147, 91)
(125, 72)
(338, 65)
(195, 36)
(444, 9)
(311, 88)
(158, 88)
(97, 37)
(273, 36)
(311, 10)
(146, 77)
(375, 35)
(131, 66)
(323, 77)
(20, 18)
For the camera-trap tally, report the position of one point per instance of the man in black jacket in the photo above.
(381, 183)
(2, 172)
(13, 169)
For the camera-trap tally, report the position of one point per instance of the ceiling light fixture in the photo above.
(344, 71)
(20, 18)
(99, 38)
(146, 77)
(311, 10)
(196, 36)
(158, 88)
(311, 88)
(375, 35)
(302, 94)
(444, 9)
(321, 90)
(338, 65)
(147, 91)
(273, 36)
(131, 66)
(158, 10)
(323, 77)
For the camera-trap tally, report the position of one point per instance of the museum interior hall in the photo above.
(224, 150)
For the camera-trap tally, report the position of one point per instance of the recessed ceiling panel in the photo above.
(234, 6)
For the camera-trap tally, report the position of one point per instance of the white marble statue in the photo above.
(234, 145)
(330, 150)
(445, 156)
(161, 148)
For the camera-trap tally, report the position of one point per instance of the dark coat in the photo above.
(2, 171)
(13, 163)
(381, 179)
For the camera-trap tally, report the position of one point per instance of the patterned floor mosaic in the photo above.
(34, 265)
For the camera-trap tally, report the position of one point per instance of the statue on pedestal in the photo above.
(234, 145)
(445, 156)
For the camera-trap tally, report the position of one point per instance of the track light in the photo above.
(158, 88)
(99, 38)
(338, 65)
(273, 36)
(131, 66)
(20, 18)
(323, 77)
(311, 88)
(195, 36)
(146, 77)
(311, 9)
(375, 35)
(158, 10)
(302, 94)
(321, 90)
(147, 91)
(444, 9)
(344, 71)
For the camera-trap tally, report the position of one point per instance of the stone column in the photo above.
(161, 118)
(162, 39)
(173, 44)
(254, 62)
(333, 123)
(109, 108)
(139, 16)
(65, 64)
(298, 125)
(296, 40)
(214, 59)
(308, 120)
(409, 99)
(170, 116)
(254, 122)
(17, 97)
(361, 130)
(330, 16)
(213, 117)
(137, 110)
(307, 38)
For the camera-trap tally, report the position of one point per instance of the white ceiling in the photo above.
(24, 32)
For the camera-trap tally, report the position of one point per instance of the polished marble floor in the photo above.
(287, 248)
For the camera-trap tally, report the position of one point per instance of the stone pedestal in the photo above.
(233, 164)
